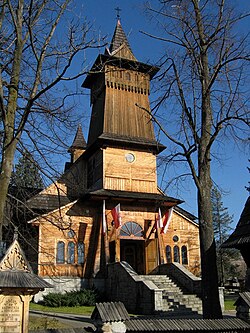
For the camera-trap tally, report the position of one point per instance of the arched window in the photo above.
(60, 253)
(176, 254)
(131, 229)
(80, 253)
(168, 254)
(71, 233)
(184, 258)
(71, 253)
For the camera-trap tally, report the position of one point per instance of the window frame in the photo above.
(184, 255)
(60, 252)
(176, 253)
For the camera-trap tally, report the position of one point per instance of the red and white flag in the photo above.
(166, 221)
(104, 222)
(116, 214)
(159, 223)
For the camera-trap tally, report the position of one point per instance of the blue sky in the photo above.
(231, 173)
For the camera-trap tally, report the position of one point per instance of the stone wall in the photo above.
(66, 284)
(138, 295)
(182, 276)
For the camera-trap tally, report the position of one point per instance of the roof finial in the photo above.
(118, 13)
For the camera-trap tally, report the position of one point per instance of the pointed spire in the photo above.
(78, 146)
(79, 141)
(119, 46)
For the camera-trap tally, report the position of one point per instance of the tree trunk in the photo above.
(6, 170)
(210, 292)
(10, 137)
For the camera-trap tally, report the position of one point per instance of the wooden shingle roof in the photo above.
(79, 141)
(27, 280)
(118, 42)
(110, 312)
(232, 325)
(241, 234)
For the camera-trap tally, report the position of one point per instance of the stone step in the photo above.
(174, 300)
(170, 306)
(182, 300)
(188, 298)
(180, 308)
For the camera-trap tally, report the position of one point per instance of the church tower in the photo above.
(121, 154)
(121, 132)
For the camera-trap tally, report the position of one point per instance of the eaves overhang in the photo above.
(129, 196)
(102, 60)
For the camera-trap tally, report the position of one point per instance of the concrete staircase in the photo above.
(175, 301)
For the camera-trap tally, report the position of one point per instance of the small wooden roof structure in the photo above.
(110, 312)
(116, 311)
(79, 141)
(16, 272)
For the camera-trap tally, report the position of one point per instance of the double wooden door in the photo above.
(141, 255)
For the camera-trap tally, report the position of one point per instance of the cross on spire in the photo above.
(118, 10)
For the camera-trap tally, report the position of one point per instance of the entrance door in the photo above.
(151, 255)
(132, 252)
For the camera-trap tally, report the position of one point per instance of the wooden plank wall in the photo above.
(139, 176)
(86, 223)
(125, 89)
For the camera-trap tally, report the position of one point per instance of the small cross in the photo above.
(118, 12)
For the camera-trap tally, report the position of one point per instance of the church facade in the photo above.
(107, 206)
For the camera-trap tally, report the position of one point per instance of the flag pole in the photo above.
(105, 233)
(163, 249)
(160, 246)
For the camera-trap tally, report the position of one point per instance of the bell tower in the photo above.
(121, 126)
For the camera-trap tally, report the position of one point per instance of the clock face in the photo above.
(130, 157)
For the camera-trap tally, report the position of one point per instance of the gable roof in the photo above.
(52, 197)
(110, 312)
(51, 212)
(16, 272)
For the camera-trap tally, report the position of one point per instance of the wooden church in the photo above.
(107, 206)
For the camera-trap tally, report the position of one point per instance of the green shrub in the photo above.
(84, 297)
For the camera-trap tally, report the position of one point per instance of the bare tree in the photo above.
(40, 40)
(205, 95)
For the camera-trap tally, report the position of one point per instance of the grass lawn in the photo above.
(229, 304)
(83, 310)
(36, 323)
